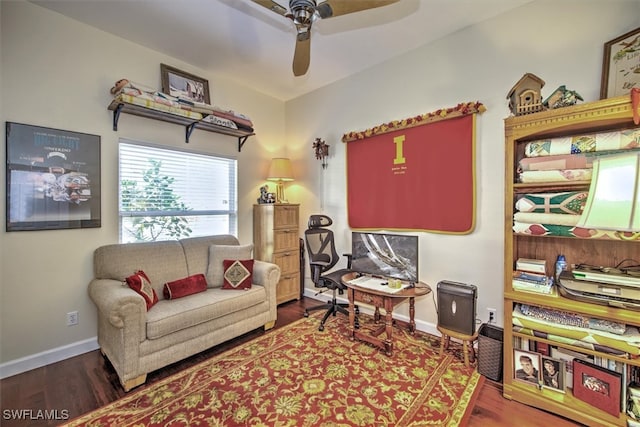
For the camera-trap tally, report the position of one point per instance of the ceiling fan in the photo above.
(304, 13)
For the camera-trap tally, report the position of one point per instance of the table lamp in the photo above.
(614, 195)
(280, 171)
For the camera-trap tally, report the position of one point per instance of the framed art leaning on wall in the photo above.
(53, 178)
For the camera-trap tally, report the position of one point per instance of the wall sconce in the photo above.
(614, 195)
(280, 171)
(322, 151)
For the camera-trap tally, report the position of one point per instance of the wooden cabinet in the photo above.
(276, 239)
(606, 115)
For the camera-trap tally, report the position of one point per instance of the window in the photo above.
(168, 194)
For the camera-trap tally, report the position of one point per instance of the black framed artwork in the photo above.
(53, 178)
(184, 85)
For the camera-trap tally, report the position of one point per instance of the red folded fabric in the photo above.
(140, 283)
(183, 287)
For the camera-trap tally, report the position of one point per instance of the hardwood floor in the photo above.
(83, 383)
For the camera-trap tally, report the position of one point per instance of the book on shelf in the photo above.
(529, 276)
(530, 286)
(531, 265)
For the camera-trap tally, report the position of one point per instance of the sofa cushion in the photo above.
(238, 274)
(140, 283)
(170, 316)
(184, 287)
(217, 255)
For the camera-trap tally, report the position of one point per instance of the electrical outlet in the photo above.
(492, 315)
(72, 318)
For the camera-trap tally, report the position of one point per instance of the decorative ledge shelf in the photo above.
(190, 124)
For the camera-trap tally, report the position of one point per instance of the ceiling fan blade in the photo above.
(331, 8)
(301, 56)
(272, 6)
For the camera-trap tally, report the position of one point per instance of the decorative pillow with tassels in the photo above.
(238, 274)
(140, 283)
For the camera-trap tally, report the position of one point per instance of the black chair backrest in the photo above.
(320, 244)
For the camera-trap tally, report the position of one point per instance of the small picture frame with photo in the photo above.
(553, 374)
(526, 366)
(184, 85)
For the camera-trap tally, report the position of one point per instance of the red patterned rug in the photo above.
(298, 376)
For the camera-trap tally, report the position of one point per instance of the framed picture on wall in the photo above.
(621, 65)
(184, 85)
(53, 178)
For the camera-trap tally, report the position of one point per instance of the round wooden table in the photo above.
(381, 299)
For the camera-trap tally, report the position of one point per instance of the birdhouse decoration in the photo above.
(526, 96)
(562, 97)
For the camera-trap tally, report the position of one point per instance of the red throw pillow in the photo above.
(238, 274)
(140, 283)
(183, 287)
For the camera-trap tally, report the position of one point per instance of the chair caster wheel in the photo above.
(321, 328)
(306, 314)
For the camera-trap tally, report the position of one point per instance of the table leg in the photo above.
(388, 343)
(352, 313)
(412, 315)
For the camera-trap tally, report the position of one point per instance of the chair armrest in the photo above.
(349, 259)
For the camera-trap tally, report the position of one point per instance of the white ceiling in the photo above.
(242, 41)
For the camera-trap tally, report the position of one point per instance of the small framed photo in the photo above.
(597, 386)
(553, 373)
(526, 366)
(184, 85)
(621, 65)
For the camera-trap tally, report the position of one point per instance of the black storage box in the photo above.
(490, 351)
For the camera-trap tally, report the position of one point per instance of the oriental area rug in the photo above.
(299, 376)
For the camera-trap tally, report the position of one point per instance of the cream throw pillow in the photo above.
(217, 255)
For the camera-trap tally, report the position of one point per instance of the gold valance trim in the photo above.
(442, 114)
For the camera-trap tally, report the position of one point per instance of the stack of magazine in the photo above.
(530, 276)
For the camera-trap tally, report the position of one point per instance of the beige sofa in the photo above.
(137, 341)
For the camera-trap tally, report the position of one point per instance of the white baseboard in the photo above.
(421, 325)
(48, 357)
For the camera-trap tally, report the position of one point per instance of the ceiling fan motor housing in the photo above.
(302, 11)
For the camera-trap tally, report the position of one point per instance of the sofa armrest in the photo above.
(120, 305)
(268, 275)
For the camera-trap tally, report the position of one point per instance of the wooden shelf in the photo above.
(605, 115)
(190, 124)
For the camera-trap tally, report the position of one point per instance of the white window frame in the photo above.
(208, 197)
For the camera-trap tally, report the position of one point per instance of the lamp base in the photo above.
(280, 198)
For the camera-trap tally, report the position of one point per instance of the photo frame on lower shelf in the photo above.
(553, 374)
(526, 366)
(599, 387)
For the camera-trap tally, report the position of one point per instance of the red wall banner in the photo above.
(414, 178)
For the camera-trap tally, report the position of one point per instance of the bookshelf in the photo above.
(600, 116)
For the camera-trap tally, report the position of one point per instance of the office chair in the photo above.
(323, 257)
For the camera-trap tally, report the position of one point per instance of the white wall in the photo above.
(57, 73)
(559, 41)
